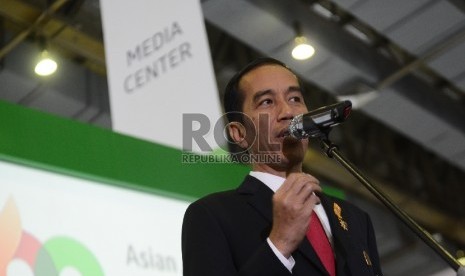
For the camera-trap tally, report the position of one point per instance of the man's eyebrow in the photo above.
(260, 94)
(294, 89)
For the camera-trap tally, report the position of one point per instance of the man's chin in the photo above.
(291, 140)
(294, 150)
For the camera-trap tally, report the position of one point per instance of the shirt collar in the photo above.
(270, 180)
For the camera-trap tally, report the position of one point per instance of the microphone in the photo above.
(314, 123)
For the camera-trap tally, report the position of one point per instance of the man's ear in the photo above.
(237, 133)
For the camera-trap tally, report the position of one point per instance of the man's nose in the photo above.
(286, 112)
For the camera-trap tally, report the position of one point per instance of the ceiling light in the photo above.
(302, 49)
(46, 65)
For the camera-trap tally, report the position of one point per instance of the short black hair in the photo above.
(233, 99)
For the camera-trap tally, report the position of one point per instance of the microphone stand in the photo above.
(332, 151)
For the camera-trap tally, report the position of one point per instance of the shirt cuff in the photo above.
(288, 263)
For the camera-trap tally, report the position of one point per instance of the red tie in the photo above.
(317, 237)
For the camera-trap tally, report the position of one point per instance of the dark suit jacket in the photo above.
(225, 234)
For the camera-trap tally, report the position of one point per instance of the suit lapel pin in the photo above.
(367, 258)
(338, 212)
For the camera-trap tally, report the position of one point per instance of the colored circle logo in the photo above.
(44, 259)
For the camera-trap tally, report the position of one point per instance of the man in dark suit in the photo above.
(277, 222)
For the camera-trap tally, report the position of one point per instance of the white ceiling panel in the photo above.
(428, 27)
(407, 115)
(349, 4)
(382, 14)
(336, 75)
(415, 122)
(450, 64)
(461, 83)
(248, 22)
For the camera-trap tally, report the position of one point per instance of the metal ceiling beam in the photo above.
(421, 61)
(41, 19)
(62, 37)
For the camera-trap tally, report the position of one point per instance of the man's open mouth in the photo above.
(283, 133)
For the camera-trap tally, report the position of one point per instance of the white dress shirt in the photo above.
(274, 182)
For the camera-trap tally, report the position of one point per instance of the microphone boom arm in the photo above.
(332, 151)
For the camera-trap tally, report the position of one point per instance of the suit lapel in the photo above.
(339, 229)
(259, 196)
(348, 251)
(338, 223)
